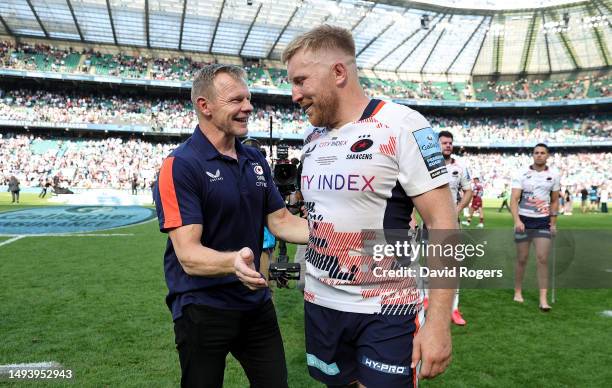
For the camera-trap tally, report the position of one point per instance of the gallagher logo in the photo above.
(361, 145)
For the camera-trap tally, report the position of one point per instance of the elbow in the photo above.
(187, 264)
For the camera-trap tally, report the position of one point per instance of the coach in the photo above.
(213, 198)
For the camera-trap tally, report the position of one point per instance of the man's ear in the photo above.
(203, 106)
(340, 72)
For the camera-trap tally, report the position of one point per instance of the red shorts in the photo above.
(476, 203)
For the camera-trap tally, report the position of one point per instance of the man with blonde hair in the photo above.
(366, 164)
(213, 198)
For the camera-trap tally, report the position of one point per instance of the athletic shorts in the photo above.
(476, 203)
(535, 227)
(374, 349)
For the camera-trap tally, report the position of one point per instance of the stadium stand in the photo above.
(49, 58)
(170, 114)
(111, 162)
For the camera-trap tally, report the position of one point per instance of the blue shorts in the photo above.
(535, 227)
(374, 349)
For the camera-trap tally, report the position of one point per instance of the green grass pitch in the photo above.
(96, 305)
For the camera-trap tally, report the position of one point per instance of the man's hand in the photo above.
(519, 227)
(245, 270)
(553, 229)
(432, 346)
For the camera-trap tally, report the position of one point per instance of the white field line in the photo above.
(607, 313)
(10, 240)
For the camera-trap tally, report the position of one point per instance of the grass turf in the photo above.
(96, 305)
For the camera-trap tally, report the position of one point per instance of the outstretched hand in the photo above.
(244, 266)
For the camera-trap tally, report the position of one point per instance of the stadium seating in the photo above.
(48, 58)
(177, 114)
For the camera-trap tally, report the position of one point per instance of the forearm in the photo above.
(198, 260)
(465, 200)
(440, 306)
(514, 210)
(554, 210)
(290, 228)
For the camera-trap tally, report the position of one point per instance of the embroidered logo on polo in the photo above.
(214, 177)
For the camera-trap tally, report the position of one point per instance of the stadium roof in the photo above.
(427, 36)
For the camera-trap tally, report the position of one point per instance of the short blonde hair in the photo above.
(203, 83)
(323, 37)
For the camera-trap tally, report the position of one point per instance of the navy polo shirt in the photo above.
(230, 198)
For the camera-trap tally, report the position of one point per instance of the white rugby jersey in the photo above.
(536, 188)
(357, 178)
(459, 178)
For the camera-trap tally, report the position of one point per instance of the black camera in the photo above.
(283, 272)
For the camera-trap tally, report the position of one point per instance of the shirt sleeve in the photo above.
(557, 183)
(516, 181)
(465, 179)
(178, 196)
(421, 164)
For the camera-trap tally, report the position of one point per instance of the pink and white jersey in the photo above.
(536, 187)
(357, 180)
(459, 178)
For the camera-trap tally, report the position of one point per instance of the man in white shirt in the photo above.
(534, 205)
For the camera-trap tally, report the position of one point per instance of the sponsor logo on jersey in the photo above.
(338, 182)
(427, 142)
(258, 170)
(309, 150)
(332, 143)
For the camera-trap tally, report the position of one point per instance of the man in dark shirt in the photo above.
(214, 196)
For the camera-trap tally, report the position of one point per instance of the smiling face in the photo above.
(230, 107)
(313, 87)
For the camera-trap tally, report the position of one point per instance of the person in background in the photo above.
(505, 196)
(569, 202)
(13, 187)
(604, 199)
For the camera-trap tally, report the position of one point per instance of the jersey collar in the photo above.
(531, 168)
(373, 107)
(209, 151)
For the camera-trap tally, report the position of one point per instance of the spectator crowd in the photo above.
(113, 162)
(89, 61)
(174, 115)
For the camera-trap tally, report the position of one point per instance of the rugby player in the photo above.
(534, 204)
(366, 164)
(477, 193)
(459, 180)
